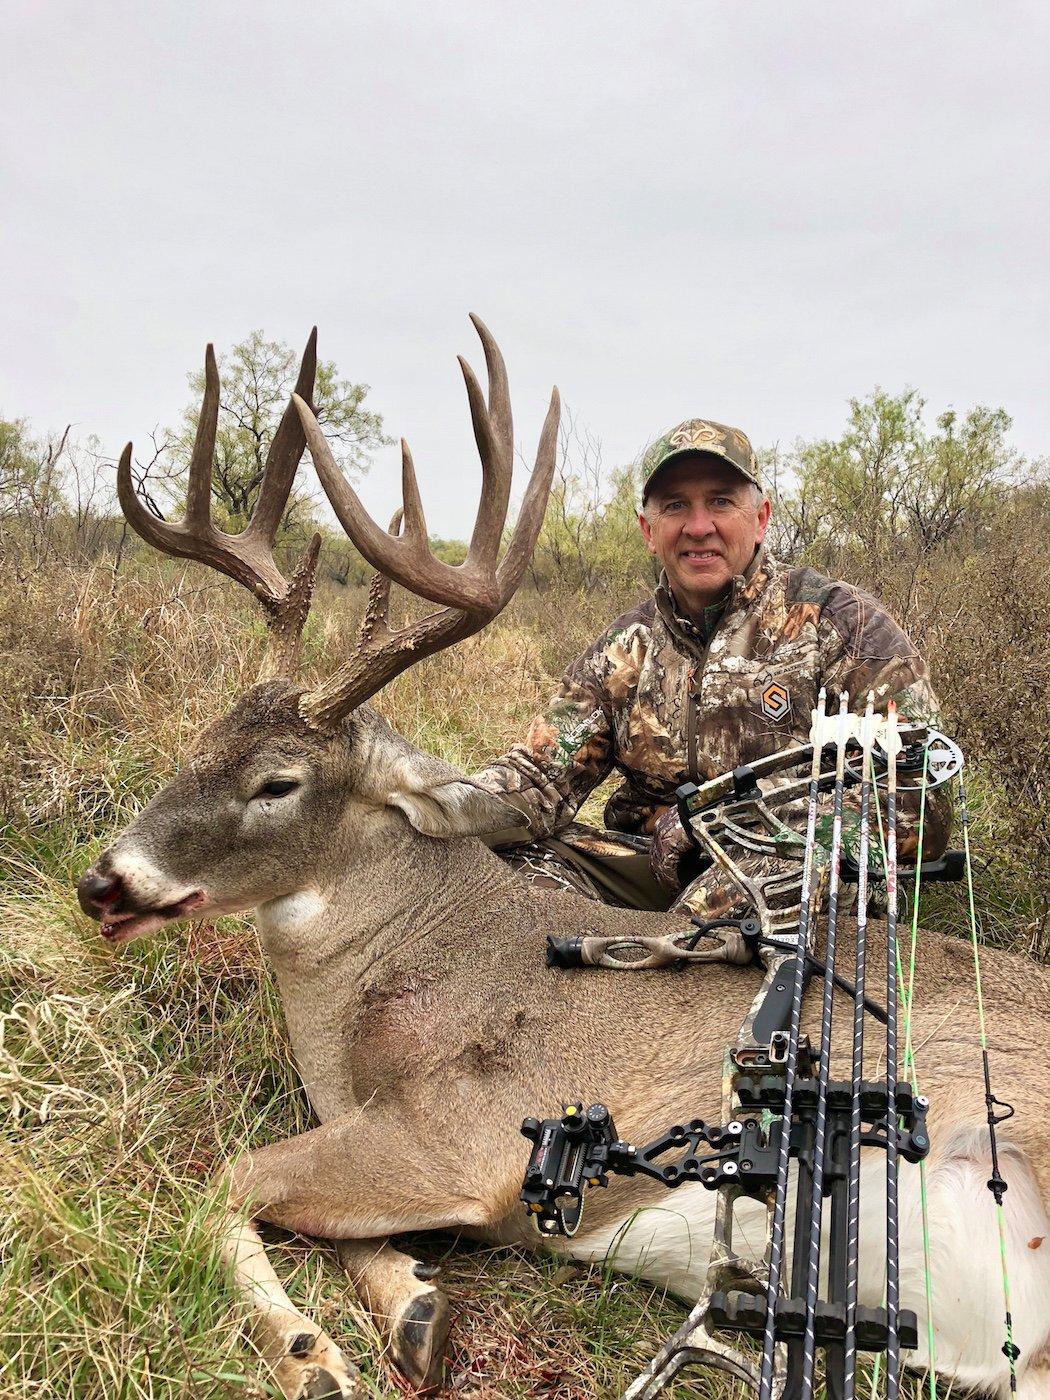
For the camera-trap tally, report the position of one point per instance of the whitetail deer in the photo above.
(410, 964)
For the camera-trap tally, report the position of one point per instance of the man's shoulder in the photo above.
(865, 625)
(640, 618)
(643, 614)
(629, 631)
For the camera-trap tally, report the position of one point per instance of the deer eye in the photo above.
(278, 787)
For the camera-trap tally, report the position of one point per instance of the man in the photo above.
(720, 667)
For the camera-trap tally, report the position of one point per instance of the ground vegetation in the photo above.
(126, 1079)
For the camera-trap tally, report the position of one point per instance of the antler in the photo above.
(247, 557)
(473, 592)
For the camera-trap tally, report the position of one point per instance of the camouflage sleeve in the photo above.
(567, 752)
(862, 649)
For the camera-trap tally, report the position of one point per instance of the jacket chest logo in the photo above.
(775, 701)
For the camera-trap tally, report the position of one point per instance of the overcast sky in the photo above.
(747, 212)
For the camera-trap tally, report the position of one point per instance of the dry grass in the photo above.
(126, 1079)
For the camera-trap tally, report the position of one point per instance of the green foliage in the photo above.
(56, 496)
(448, 551)
(23, 470)
(256, 378)
(889, 485)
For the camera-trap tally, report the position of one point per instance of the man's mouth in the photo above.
(699, 555)
(122, 928)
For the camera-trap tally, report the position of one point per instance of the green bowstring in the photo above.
(1009, 1349)
(910, 1071)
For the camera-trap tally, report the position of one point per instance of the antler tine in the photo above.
(378, 606)
(494, 435)
(248, 557)
(198, 492)
(499, 388)
(412, 513)
(159, 533)
(285, 454)
(533, 507)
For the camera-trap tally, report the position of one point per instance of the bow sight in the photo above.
(787, 1128)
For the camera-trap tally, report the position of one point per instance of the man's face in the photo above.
(702, 520)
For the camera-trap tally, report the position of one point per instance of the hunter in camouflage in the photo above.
(720, 667)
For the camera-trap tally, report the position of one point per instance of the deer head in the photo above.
(251, 816)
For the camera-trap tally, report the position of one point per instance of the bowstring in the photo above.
(911, 1072)
(849, 1379)
(1010, 1349)
(893, 991)
(819, 1149)
(909, 1064)
(807, 897)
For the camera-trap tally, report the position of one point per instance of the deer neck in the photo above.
(353, 923)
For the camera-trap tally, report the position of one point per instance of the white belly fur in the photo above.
(669, 1244)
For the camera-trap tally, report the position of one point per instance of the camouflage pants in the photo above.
(613, 868)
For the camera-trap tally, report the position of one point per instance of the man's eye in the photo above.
(278, 787)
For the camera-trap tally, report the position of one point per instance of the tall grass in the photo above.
(126, 1078)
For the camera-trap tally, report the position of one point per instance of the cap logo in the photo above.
(699, 435)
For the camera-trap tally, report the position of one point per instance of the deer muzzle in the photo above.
(123, 914)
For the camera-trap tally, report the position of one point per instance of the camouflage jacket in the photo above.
(661, 704)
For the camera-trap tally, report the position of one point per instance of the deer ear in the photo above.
(457, 808)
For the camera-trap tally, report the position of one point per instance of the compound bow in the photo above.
(779, 1103)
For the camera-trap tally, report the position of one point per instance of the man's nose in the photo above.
(98, 892)
(699, 522)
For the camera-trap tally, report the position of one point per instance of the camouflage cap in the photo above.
(701, 435)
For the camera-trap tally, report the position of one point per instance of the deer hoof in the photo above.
(322, 1385)
(417, 1342)
(324, 1376)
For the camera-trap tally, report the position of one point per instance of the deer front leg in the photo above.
(410, 1312)
(306, 1363)
(357, 1178)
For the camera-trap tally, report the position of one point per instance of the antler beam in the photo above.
(248, 557)
(473, 592)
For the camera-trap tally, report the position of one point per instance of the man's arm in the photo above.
(567, 752)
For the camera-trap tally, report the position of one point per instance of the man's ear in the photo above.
(765, 510)
(456, 808)
(646, 529)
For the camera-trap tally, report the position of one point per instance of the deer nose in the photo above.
(97, 892)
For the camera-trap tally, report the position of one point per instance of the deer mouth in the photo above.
(122, 928)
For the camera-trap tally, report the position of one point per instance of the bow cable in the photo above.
(809, 1343)
(776, 1231)
(853, 1198)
